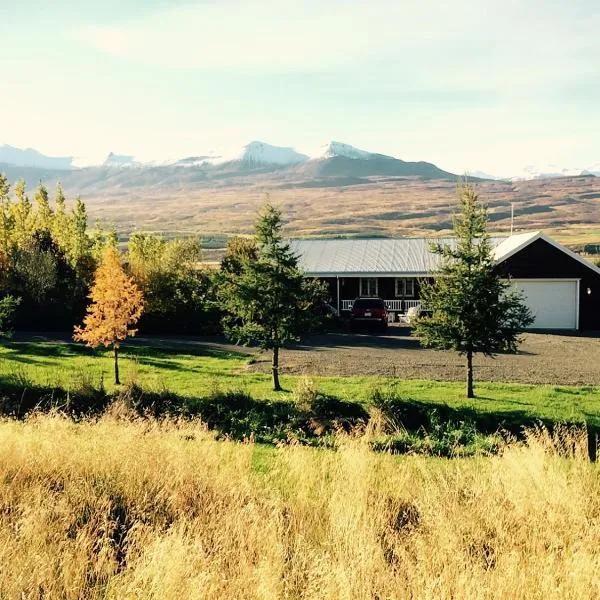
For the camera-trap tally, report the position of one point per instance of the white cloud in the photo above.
(280, 35)
(507, 47)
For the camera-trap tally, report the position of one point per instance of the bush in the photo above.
(8, 311)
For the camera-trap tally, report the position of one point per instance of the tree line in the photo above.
(49, 254)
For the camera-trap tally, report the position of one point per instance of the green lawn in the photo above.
(190, 371)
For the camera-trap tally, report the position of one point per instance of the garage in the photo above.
(554, 303)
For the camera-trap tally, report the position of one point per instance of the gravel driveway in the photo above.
(542, 358)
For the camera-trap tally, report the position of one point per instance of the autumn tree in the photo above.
(78, 243)
(267, 299)
(43, 212)
(470, 307)
(6, 221)
(22, 214)
(239, 250)
(177, 291)
(60, 223)
(116, 304)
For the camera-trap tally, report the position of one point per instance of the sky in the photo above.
(490, 85)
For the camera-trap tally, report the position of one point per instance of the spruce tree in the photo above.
(471, 309)
(267, 299)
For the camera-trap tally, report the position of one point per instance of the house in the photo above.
(561, 288)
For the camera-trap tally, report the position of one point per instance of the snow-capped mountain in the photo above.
(333, 159)
(544, 172)
(593, 170)
(256, 154)
(120, 160)
(197, 161)
(482, 175)
(531, 172)
(333, 149)
(29, 157)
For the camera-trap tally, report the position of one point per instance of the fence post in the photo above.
(592, 443)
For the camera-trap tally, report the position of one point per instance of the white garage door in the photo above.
(553, 303)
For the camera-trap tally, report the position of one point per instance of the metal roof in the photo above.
(381, 256)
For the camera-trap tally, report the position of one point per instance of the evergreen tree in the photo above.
(117, 304)
(22, 214)
(472, 309)
(268, 300)
(8, 309)
(43, 212)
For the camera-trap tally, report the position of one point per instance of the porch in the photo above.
(400, 306)
(400, 294)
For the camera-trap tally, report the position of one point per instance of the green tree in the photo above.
(43, 212)
(176, 289)
(7, 222)
(60, 223)
(269, 302)
(239, 251)
(8, 309)
(78, 245)
(22, 214)
(471, 308)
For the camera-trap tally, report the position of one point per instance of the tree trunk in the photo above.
(276, 386)
(116, 352)
(470, 374)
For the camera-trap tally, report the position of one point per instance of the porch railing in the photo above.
(400, 306)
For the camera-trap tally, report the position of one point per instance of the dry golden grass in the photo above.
(569, 208)
(137, 509)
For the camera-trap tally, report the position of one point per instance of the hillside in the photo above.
(345, 191)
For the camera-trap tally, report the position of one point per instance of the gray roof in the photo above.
(401, 256)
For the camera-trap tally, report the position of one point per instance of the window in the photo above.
(368, 286)
(405, 288)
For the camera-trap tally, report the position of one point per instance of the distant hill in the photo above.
(375, 165)
(29, 157)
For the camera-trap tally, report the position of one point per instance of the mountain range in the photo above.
(336, 159)
(338, 164)
(342, 191)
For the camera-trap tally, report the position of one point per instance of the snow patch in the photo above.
(120, 160)
(334, 149)
(259, 153)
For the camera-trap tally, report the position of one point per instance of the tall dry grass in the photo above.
(119, 508)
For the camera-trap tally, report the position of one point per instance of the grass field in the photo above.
(195, 372)
(118, 508)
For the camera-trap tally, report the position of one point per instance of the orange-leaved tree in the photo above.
(117, 304)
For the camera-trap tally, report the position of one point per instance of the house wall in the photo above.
(386, 286)
(542, 260)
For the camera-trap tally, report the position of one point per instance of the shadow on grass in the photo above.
(408, 425)
(32, 353)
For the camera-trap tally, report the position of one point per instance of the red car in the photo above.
(369, 311)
